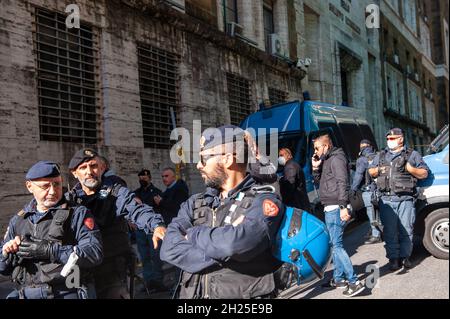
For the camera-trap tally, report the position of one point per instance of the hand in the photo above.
(33, 248)
(251, 144)
(316, 161)
(345, 216)
(11, 246)
(157, 199)
(158, 234)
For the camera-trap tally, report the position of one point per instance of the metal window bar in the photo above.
(159, 91)
(67, 79)
(277, 96)
(239, 98)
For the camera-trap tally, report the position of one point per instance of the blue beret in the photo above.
(82, 156)
(212, 137)
(394, 131)
(43, 169)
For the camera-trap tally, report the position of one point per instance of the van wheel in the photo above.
(435, 238)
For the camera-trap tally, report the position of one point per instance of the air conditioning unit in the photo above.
(276, 45)
(396, 59)
(234, 29)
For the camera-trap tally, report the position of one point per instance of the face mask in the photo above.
(281, 161)
(392, 144)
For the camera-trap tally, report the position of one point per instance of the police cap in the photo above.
(145, 172)
(213, 137)
(82, 156)
(43, 169)
(394, 131)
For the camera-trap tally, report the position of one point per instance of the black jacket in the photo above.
(172, 198)
(333, 178)
(293, 186)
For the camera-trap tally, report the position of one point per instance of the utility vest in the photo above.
(368, 180)
(114, 230)
(234, 278)
(396, 180)
(54, 227)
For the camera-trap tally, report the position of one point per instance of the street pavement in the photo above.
(428, 279)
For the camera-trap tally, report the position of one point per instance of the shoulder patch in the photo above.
(89, 223)
(21, 213)
(270, 209)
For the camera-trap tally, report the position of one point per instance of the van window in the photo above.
(338, 141)
(352, 138)
(368, 134)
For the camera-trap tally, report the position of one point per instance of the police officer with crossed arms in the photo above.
(222, 238)
(397, 169)
(42, 236)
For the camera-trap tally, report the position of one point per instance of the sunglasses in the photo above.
(392, 138)
(316, 148)
(46, 187)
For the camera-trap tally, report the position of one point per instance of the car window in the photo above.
(352, 139)
(368, 134)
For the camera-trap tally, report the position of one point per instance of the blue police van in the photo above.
(299, 122)
(432, 205)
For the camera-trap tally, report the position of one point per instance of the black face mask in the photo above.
(143, 183)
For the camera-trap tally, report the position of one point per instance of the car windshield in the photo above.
(440, 142)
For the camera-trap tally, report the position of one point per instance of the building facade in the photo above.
(128, 73)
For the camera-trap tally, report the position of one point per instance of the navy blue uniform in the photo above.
(229, 262)
(81, 233)
(112, 204)
(362, 165)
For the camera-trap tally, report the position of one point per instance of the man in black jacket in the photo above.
(293, 182)
(175, 194)
(331, 172)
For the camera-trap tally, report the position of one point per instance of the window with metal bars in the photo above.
(239, 97)
(159, 89)
(67, 79)
(277, 96)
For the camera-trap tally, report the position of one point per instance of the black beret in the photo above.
(43, 169)
(364, 141)
(212, 137)
(145, 172)
(82, 156)
(394, 131)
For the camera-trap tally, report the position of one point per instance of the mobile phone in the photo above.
(316, 157)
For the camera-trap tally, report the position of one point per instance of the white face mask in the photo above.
(392, 144)
(281, 161)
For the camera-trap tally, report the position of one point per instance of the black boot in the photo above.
(394, 264)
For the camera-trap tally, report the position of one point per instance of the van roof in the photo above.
(286, 117)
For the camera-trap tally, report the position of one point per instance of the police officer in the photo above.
(112, 204)
(222, 238)
(396, 170)
(42, 236)
(362, 181)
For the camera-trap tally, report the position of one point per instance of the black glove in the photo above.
(12, 260)
(33, 248)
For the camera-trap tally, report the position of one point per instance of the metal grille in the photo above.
(239, 97)
(277, 96)
(158, 83)
(67, 80)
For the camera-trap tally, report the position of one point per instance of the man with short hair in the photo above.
(331, 173)
(362, 181)
(293, 182)
(397, 169)
(171, 199)
(112, 204)
(222, 238)
(42, 236)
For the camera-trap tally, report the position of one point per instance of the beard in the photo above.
(91, 182)
(217, 178)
